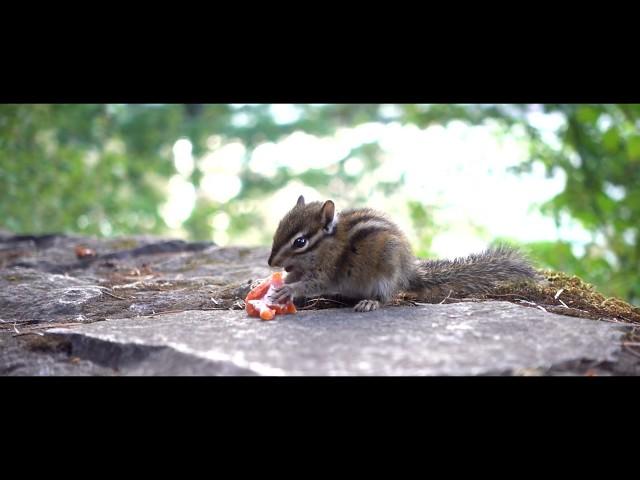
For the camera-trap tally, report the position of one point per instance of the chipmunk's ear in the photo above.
(300, 202)
(327, 213)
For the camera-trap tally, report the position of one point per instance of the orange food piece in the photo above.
(267, 314)
(262, 307)
(82, 251)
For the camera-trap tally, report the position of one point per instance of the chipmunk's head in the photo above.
(300, 231)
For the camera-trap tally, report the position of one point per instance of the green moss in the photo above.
(568, 295)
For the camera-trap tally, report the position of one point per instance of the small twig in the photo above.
(491, 296)
(558, 294)
(604, 319)
(40, 334)
(50, 325)
(311, 304)
(316, 300)
(626, 320)
(527, 302)
(115, 296)
(632, 351)
(8, 325)
(446, 298)
(103, 289)
(163, 312)
(133, 286)
(403, 302)
(534, 304)
(155, 314)
(589, 314)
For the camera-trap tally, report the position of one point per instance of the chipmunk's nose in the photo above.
(270, 260)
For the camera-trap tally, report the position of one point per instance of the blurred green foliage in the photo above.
(102, 169)
(600, 156)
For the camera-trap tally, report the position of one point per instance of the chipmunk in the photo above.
(361, 254)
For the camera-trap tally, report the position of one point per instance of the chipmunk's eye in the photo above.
(299, 242)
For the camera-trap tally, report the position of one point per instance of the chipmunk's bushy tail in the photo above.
(477, 273)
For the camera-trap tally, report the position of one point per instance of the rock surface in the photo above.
(41, 280)
(456, 339)
(149, 306)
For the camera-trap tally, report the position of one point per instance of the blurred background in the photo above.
(560, 181)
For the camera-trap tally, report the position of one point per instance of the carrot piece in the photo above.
(267, 314)
(263, 310)
(260, 291)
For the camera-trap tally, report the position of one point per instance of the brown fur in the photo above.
(365, 256)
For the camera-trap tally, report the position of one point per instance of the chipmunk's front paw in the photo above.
(283, 294)
(367, 305)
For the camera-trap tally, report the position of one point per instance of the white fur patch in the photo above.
(334, 223)
(368, 224)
